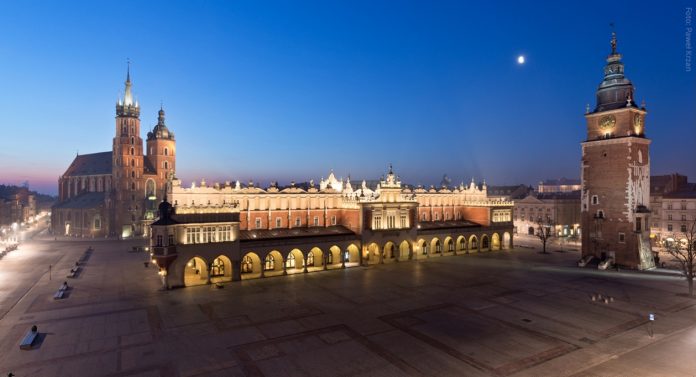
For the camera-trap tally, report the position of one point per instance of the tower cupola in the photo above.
(615, 91)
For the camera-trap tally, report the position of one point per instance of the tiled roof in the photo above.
(90, 164)
(83, 201)
(336, 230)
(428, 225)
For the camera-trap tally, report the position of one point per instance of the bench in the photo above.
(61, 291)
(73, 271)
(29, 339)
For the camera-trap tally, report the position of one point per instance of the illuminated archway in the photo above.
(294, 261)
(273, 262)
(221, 269)
(372, 253)
(461, 244)
(352, 255)
(473, 244)
(388, 252)
(507, 241)
(315, 258)
(495, 242)
(422, 248)
(435, 246)
(449, 245)
(333, 257)
(195, 272)
(404, 250)
(251, 265)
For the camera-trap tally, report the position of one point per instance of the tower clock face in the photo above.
(607, 122)
(638, 123)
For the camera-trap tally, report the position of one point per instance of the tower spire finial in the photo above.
(128, 62)
(613, 39)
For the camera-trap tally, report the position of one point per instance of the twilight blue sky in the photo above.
(291, 89)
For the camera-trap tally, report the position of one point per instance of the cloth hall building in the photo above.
(231, 232)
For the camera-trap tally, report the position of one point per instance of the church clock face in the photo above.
(607, 122)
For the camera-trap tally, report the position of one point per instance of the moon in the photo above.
(520, 59)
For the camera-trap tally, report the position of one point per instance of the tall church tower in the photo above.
(161, 153)
(128, 166)
(616, 173)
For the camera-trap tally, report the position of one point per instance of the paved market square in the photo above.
(504, 313)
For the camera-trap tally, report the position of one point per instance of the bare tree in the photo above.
(683, 249)
(545, 230)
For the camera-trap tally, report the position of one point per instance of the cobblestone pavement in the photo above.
(501, 313)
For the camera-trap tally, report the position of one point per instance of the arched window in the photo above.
(290, 263)
(132, 151)
(133, 174)
(132, 185)
(310, 259)
(125, 130)
(595, 199)
(451, 246)
(150, 188)
(132, 162)
(166, 151)
(247, 265)
(438, 248)
(270, 263)
(132, 140)
(166, 165)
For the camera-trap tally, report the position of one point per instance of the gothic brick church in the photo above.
(116, 193)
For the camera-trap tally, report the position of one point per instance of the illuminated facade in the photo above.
(116, 193)
(229, 232)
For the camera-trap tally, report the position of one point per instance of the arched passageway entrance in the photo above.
(294, 262)
(507, 241)
(461, 244)
(372, 254)
(251, 266)
(404, 251)
(388, 252)
(195, 272)
(333, 257)
(435, 247)
(495, 242)
(352, 256)
(485, 245)
(473, 244)
(315, 259)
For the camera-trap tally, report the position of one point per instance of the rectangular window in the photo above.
(669, 217)
(333, 220)
(622, 238)
(683, 217)
(316, 220)
(279, 222)
(257, 223)
(669, 227)
(298, 221)
(683, 206)
(404, 224)
(683, 228)
(159, 240)
(377, 223)
(170, 240)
